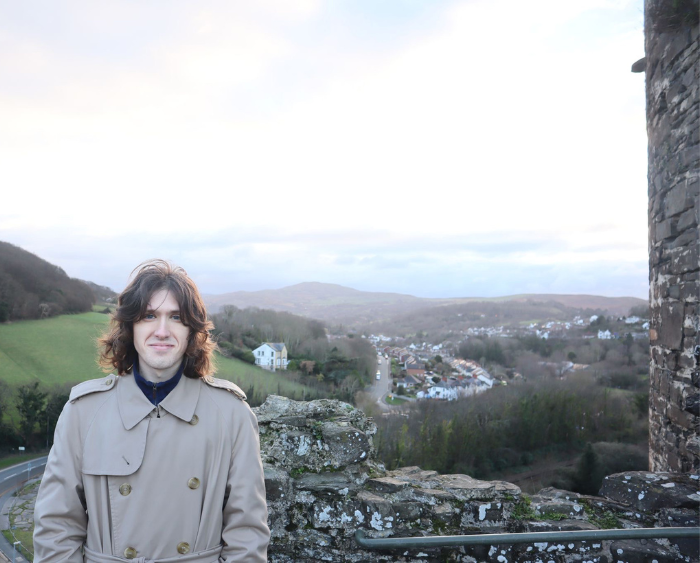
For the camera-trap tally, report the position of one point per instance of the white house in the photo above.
(604, 335)
(271, 355)
(438, 393)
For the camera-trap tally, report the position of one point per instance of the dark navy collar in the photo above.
(156, 392)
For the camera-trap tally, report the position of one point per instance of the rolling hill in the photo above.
(339, 304)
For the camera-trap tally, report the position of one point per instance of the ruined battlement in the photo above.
(323, 482)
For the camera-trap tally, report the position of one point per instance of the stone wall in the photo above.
(323, 483)
(672, 84)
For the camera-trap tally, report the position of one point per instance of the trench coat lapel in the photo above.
(133, 404)
(182, 400)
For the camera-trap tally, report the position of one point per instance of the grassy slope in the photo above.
(62, 350)
(53, 351)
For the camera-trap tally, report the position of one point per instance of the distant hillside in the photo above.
(102, 292)
(323, 301)
(32, 288)
(339, 304)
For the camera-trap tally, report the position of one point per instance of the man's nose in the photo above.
(162, 330)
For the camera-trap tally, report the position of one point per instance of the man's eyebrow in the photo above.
(171, 311)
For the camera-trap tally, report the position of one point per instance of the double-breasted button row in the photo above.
(183, 547)
(125, 488)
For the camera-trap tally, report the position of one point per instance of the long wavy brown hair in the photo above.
(117, 349)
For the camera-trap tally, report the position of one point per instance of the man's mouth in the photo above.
(161, 346)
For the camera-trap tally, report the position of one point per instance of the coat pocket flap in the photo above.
(113, 450)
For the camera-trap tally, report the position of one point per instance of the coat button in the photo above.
(108, 382)
(183, 547)
(125, 489)
(195, 420)
(129, 553)
(193, 483)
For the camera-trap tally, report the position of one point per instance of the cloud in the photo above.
(270, 142)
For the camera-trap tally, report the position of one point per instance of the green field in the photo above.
(62, 350)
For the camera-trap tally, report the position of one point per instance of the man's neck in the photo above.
(157, 375)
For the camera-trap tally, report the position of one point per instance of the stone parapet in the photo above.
(321, 489)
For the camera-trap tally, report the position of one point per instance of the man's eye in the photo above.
(149, 316)
(176, 317)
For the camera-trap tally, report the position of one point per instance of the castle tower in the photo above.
(673, 129)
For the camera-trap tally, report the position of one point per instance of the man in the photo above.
(162, 462)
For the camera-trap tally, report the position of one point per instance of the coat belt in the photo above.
(207, 556)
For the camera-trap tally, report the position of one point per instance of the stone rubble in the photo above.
(321, 489)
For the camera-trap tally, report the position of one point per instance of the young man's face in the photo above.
(160, 338)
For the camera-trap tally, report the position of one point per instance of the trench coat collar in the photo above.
(134, 406)
(182, 400)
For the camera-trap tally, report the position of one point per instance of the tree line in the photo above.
(28, 415)
(340, 366)
(32, 288)
(512, 426)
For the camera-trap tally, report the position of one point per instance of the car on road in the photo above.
(379, 361)
(379, 374)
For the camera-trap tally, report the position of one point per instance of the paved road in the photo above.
(10, 480)
(380, 387)
(12, 477)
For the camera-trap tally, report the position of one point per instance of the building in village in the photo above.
(271, 356)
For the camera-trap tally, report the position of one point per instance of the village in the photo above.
(412, 378)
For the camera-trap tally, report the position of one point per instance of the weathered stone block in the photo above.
(413, 475)
(626, 551)
(678, 518)
(277, 483)
(677, 200)
(376, 510)
(336, 515)
(467, 488)
(347, 445)
(483, 513)
(326, 483)
(679, 417)
(407, 511)
(666, 229)
(313, 436)
(652, 491)
(387, 485)
(670, 331)
(569, 509)
(432, 496)
(443, 512)
(687, 220)
(686, 259)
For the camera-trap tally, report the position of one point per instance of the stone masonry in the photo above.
(323, 483)
(673, 126)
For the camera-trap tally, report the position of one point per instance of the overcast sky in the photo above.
(437, 148)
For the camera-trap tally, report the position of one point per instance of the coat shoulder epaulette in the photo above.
(92, 386)
(226, 385)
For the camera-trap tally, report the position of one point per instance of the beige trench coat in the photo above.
(125, 480)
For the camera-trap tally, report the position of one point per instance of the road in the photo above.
(12, 477)
(381, 387)
(10, 480)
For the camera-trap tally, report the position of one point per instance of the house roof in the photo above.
(277, 346)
